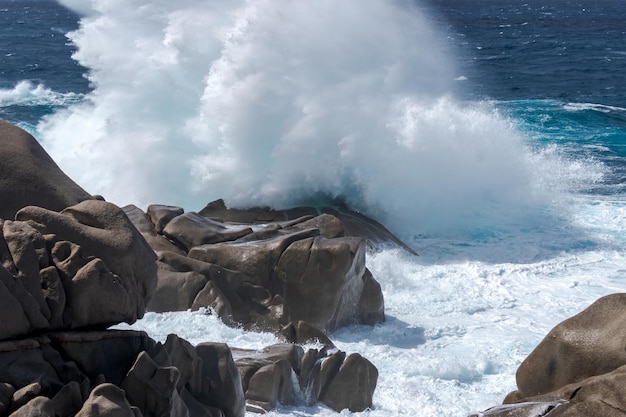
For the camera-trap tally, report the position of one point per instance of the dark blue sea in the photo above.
(490, 135)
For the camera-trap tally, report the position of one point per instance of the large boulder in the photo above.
(578, 369)
(261, 276)
(29, 177)
(590, 343)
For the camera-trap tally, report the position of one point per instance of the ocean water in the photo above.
(489, 135)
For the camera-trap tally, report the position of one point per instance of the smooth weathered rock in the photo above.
(223, 292)
(29, 254)
(191, 229)
(26, 394)
(321, 281)
(106, 400)
(269, 386)
(221, 383)
(161, 215)
(144, 225)
(353, 223)
(124, 278)
(152, 388)
(256, 259)
(29, 177)
(371, 305)
(176, 291)
(587, 344)
(22, 363)
(353, 386)
(303, 333)
(37, 407)
(529, 409)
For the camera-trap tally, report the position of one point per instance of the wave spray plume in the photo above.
(282, 102)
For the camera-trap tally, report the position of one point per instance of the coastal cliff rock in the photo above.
(579, 369)
(71, 266)
(263, 276)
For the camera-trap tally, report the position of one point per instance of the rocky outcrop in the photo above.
(71, 266)
(324, 375)
(86, 266)
(579, 369)
(29, 177)
(262, 276)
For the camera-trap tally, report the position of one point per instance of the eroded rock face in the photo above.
(261, 276)
(29, 177)
(86, 266)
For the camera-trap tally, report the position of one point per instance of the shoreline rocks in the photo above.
(72, 265)
(260, 276)
(578, 369)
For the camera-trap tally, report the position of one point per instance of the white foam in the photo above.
(25, 93)
(279, 102)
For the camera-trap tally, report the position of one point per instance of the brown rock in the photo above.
(152, 388)
(191, 229)
(109, 353)
(211, 297)
(226, 299)
(303, 333)
(322, 281)
(255, 259)
(221, 384)
(106, 400)
(269, 386)
(22, 363)
(29, 177)
(102, 229)
(143, 223)
(590, 343)
(161, 215)
(26, 394)
(353, 223)
(28, 250)
(37, 407)
(353, 386)
(54, 294)
(371, 306)
(176, 291)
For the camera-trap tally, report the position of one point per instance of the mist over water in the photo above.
(281, 103)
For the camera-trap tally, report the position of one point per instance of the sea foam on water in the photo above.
(285, 102)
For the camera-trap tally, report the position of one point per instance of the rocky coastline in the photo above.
(72, 265)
